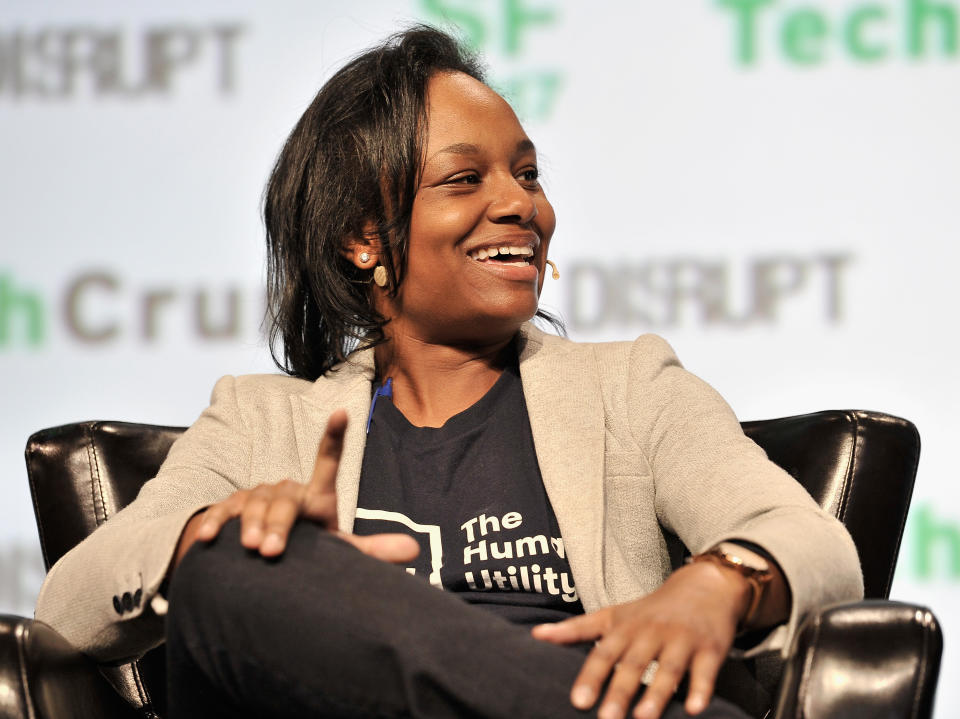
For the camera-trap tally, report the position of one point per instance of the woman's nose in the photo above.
(512, 202)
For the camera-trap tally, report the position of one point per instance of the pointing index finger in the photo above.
(320, 498)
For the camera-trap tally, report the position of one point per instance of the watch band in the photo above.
(751, 566)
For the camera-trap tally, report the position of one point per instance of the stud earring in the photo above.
(380, 276)
(364, 257)
(556, 272)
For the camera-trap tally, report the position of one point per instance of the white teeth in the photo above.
(483, 254)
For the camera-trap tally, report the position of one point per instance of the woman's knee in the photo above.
(225, 578)
(207, 569)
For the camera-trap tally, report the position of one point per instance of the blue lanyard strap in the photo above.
(384, 390)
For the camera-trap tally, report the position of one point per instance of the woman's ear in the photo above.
(364, 252)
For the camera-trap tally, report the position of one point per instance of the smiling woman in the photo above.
(479, 208)
(544, 485)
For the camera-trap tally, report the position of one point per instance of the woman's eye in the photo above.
(471, 179)
(531, 174)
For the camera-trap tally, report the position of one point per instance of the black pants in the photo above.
(326, 631)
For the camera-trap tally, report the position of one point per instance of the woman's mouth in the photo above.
(508, 255)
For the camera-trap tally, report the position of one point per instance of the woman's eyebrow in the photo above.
(460, 148)
(525, 145)
(468, 148)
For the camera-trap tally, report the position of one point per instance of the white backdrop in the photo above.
(770, 184)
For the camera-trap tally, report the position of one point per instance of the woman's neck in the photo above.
(432, 382)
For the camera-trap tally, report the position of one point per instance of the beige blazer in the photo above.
(637, 456)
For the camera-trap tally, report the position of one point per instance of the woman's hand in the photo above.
(688, 623)
(268, 512)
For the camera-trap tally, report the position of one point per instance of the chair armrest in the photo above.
(864, 659)
(43, 677)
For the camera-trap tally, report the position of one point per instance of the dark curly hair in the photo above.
(351, 163)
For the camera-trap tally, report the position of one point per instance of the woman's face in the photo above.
(481, 224)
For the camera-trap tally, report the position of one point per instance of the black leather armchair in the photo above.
(866, 659)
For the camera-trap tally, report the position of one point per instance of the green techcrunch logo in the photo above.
(870, 32)
(21, 312)
(502, 29)
(933, 545)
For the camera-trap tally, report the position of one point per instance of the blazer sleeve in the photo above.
(712, 483)
(82, 596)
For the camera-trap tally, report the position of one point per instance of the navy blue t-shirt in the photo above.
(470, 492)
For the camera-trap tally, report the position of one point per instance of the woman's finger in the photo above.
(596, 669)
(703, 677)
(628, 675)
(218, 514)
(582, 628)
(672, 662)
(251, 516)
(395, 548)
(280, 517)
(320, 498)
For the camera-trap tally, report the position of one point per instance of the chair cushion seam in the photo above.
(851, 471)
(96, 486)
(141, 687)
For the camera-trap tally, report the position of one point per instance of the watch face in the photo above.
(737, 554)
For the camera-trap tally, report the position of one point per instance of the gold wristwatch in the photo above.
(754, 568)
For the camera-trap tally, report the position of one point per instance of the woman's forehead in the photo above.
(462, 110)
(458, 87)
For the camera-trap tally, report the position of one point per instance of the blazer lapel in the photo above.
(348, 388)
(561, 386)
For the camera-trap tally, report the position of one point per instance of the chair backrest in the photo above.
(858, 465)
(81, 475)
